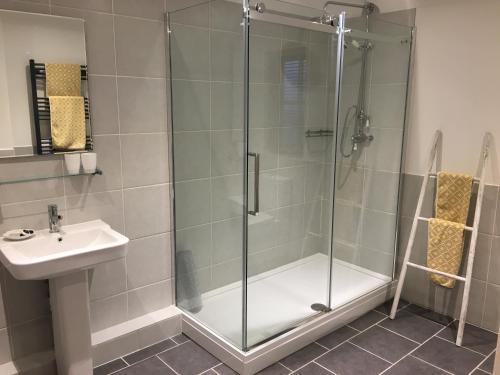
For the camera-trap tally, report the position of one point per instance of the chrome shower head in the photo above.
(325, 19)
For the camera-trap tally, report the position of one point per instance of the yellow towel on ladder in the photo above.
(445, 248)
(63, 79)
(446, 231)
(67, 122)
(453, 196)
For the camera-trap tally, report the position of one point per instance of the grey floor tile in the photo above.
(412, 326)
(474, 338)
(210, 372)
(189, 359)
(367, 320)
(276, 369)
(110, 367)
(180, 339)
(448, 356)
(150, 351)
(151, 366)
(385, 344)
(479, 372)
(348, 359)
(488, 364)
(385, 308)
(223, 369)
(413, 366)
(304, 355)
(337, 337)
(313, 369)
(429, 314)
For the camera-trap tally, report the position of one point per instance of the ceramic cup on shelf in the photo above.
(89, 162)
(72, 162)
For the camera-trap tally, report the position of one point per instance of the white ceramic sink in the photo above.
(64, 258)
(76, 247)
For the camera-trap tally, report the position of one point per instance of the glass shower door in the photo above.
(292, 70)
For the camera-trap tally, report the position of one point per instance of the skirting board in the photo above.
(248, 363)
(135, 334)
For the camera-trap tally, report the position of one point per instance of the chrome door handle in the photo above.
(256, 182)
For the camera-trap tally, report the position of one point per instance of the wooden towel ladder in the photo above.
(474, 229)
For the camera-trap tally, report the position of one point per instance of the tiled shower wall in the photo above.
(126, 59)
(288, 95)
(484, 302)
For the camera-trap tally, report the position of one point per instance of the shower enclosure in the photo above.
(287, 136)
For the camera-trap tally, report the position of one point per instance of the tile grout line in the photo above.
(327, 369)
(166, 364)
(430, 364)
(399, 334)
(481, 363)
(463, 347)
(366, 350)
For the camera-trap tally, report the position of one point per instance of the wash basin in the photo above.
(76, 247)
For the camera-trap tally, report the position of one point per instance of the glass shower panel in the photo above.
(206, 53)
(290, 128)
(368, 163)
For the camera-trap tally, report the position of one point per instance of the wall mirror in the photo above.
(44, 105)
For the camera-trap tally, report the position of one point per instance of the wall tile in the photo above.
(97, 5)
(150, 298)
(104, 104)
(227, 197)
(32, 337)
(197, 240)
(107, 206)
(25, 6)
(227, 240)
(140, 8)
(227, 105)
(108, 279)
(226, 16)
(290, 223)
(291, 184)
(196, 15)
(380, 155)
(192, 203)
(142, 105)
(378, 231)
(147, 210)
(190, 52)
(382, 190)
(144, 159)
(491, 317)
(191, 110)
(147, 58)
(25, 300)
(494, 262)
(265, 59)
(350, 184)
(387, 106)
(264, 105)
(265, 143)
(191, 155)
(346, 222)
(227, 151)
(148, 261)
(376, 261)
(107, 312)
(226, 273)
(226, 56)
(5, 354)
(99, 37)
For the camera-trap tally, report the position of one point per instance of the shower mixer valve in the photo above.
(363, 134)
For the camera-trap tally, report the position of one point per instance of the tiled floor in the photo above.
(417, 342)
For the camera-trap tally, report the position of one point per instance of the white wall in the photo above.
(456, 83)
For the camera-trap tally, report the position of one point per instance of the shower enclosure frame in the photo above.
(249, 360)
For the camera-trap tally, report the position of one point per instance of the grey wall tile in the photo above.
(346, 222)
(262, 232)
(227, 197)
(147, 210)
(99, 35)
(227, 240)
(24, 6)
(192, 155)
(226, 56)
(265, 143)
(142, 104)
(144, 159)
(108, 279)
(149, 298)
(107, 312)
(5, 354)
(227, 147)
(383, 188)
(226, 105)
(192, 203)
(191, 107)
(140, 8)
(376, 261)
(196, 15)
(148, 260)
(291, 185)
(380, 154)
(491, 317)
(494, 262)
(387, 106)
(147, 58)
(378, 231)
(290, 223)
(198, 240)
(350, 184)
(265, 59)
(226, 16)
(104, 104)
(32, 337)
(107, 206)
(264, 105)
(190, 55)
(98, 5)
(226, 273)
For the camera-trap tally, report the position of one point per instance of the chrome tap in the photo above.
(54, 219)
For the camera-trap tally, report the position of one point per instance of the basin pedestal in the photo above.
(69, 300)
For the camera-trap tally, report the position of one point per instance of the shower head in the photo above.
(325, 19)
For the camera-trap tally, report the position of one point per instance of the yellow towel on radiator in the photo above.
(63, 79)
(67, 122)
(446, 231)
